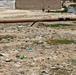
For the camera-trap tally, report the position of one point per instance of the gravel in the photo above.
(40, 58)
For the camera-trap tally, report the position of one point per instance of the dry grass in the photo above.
(64, 41)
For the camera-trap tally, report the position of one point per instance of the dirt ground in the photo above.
(26, 50)
(14, 14)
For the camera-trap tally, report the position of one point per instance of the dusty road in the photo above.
(4, 14)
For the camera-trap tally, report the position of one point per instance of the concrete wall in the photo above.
(38, 4)
(7, 4)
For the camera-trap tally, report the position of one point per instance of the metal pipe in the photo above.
(36, 20)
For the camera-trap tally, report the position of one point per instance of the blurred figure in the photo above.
(48, 9)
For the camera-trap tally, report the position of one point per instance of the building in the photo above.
(71, 0)
(38, 4)
(31, 4)
(7, 4)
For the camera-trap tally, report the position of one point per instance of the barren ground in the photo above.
(39, 44)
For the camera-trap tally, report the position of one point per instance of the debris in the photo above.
(4, 54)
(0, 39)
(18, 64)
(21, 56)
(1, 54)
(30, 48)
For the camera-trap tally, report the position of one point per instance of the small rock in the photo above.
(22, 72)
(1, 54)
(8, 60)
(44, 73)
(18, 64)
